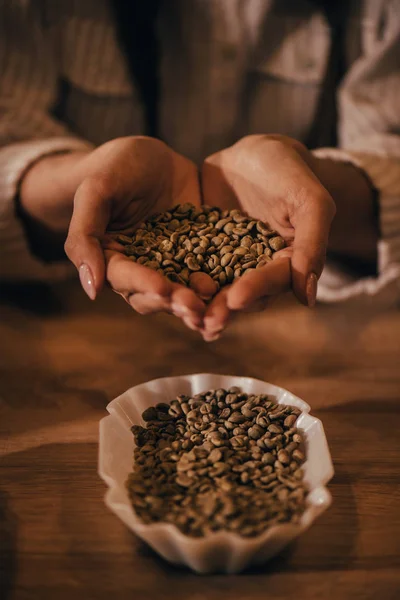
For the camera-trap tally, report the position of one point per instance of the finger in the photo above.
(128, 277)
(146, 304)
(259, 305)
(186, 305)
(89, 220)
(188, 321)
(274, 278)
(203, 285)
(211, 337)
(312, 225)
(217, 316)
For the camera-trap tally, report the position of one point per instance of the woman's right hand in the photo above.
(114, 188)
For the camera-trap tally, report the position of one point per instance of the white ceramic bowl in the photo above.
(220, 551)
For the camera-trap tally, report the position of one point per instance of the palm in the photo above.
(166, 179)
(153, 180)
(242, 185)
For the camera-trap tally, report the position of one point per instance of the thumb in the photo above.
(91, 215)
(312, 225)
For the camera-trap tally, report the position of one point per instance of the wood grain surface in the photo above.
(64, 358)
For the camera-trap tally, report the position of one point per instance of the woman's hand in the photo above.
(112, 189)
(271, 178)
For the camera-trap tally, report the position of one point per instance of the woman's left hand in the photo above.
(271, 178)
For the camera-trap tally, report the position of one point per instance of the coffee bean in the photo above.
(290, 421)
(245, 477)
(215, 455)
(255, 432)
(149, 414)
(217, 440)
(196, 439)
(284, 457)
(124, 240)
(261, 419)
(192, 264)
(298, 474)
(226, 259)
(240, 231)
(291, 447)
(228, 229)
(180, 255)
(298, 456)
(276, 243)
(184, 480)
(277, 414)
(273, 428)
(262, 228)
(229, 273)
(226, 250)
(223, 244)
(199, 470)
(222, 278)
(192, 416)
(249, 265)
(237, 441)
(220, 468)
(268, 458)
(248, 413)
(221, 224)
(233, 263)
(237, 417)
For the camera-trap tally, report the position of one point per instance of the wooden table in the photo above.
(63, 359)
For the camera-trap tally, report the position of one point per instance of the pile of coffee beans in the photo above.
(224, 244)
(220, 460)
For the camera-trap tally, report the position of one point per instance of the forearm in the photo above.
(45, 201)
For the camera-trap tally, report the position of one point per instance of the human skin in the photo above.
(312, 202)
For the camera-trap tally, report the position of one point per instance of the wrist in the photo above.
(47, 188)
(355, 228)
(45, 201)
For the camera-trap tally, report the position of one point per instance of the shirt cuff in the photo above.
(17, 262)
(384, 174)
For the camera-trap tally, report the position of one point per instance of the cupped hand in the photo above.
(127, 180)
(271, 178)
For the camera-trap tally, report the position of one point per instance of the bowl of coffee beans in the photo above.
(214, 472)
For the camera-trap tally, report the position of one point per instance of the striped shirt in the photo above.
(228, 68)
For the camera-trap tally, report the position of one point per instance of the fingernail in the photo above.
(212, 337)
(212, 324)
(311, 289)
(87, 281)
(191, 324)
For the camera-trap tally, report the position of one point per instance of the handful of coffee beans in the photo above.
(224, 244)
(220, 460)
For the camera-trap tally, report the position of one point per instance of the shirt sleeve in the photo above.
(369, 122)
(16, 260)
(28, 131)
